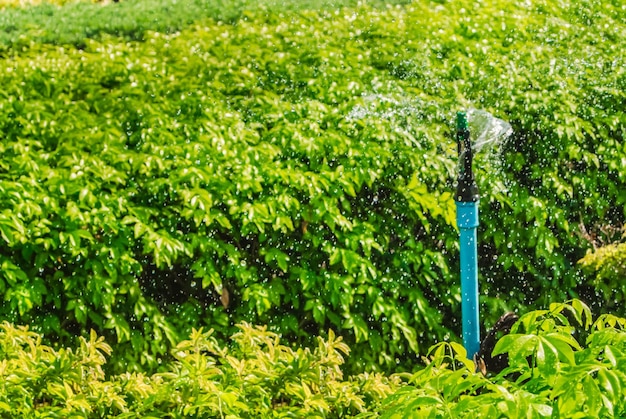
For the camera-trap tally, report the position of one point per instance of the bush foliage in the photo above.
(563, 363)
(256, 376)
(606, 264)
(80, 20)
(294, 169)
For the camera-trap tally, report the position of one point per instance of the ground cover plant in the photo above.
(295, 169)
(254, 377)
(562, 363)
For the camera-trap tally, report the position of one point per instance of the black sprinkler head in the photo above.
(467, 190)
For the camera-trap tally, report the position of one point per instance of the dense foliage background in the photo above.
(169, 165)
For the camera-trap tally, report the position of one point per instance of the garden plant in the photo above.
(281, 174)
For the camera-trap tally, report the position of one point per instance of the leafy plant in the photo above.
(293, 168)
(607, 264)
(552, 372)
(562, 361)
(62, 383)
(76, 22)
(255, 377)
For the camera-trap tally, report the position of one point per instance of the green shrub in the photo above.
(606, 264)
(77, 22)
(255, 377)
(294, 169)
(260, 377)
(562, 364)
(62, 383)
(304, 216)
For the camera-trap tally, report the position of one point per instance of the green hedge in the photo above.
(167, 187)
(294, 169)
(76, 22)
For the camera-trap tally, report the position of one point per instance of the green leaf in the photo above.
(565, 346)
(546, 358)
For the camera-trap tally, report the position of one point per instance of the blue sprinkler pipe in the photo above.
(467, 220)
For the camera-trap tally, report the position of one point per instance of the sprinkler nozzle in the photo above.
(461, 121)
(467, 190)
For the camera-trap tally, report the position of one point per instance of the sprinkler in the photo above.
(487, 131)
(467, 220)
